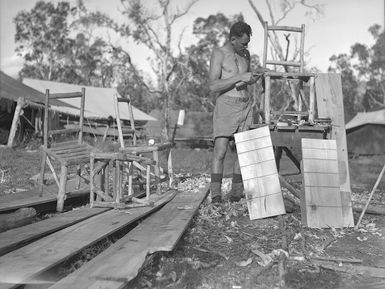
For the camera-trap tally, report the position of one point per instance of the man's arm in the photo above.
(215, 83)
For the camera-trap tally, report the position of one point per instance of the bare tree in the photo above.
(154, 30)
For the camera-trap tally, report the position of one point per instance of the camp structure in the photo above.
(366, 133)
(99, 105)
(20, 109)
(196, 131)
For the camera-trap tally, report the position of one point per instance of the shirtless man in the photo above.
(229, 76)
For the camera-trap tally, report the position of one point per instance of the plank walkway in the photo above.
(13, 239)
(31, 198)
(25, 264)
(121, 262)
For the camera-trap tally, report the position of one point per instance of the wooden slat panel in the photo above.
(15, 238)
(120, 263)
(285, 28)
(323, 196)
(72, 150)
(259, 173)
(320, 166)
(65, 95)
(259, 170)
(254, 144)
(35, 258)
(319, 154)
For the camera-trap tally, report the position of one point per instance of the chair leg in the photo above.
(157, 172)
(62, 188)
(42, 169)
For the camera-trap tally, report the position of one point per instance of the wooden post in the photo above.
(170, 169)
(15, 121)
(311, 100)
(267, 100)
(92, 175)
(155, 154)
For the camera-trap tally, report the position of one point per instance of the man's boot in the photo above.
(236, 192)
(215, 191)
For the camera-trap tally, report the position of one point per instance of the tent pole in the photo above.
(16, 117)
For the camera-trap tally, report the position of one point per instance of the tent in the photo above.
(16, 96)
(366, 133)
(99, 101)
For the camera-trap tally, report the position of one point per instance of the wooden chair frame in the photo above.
(140, 149)
(300, 75)
(67, 153)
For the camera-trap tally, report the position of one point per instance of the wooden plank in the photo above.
(330, 105)
(31, 198)
(321, 166)
(21, 265)
(323, 217)
(15, 238)
(265, 206)
(323, 144)
(321, 180)
(319, 154)
(258, 170)
(323, 196)
(347, 209)
(259, 173)
(261, 155)
(121, 262)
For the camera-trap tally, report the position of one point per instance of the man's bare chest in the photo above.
(234, 64)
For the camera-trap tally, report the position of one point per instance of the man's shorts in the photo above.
(232, 115)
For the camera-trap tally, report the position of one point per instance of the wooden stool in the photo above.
(101, 165)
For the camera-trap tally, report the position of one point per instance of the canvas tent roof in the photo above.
(12, 89)
(363, 118)
(99, 101)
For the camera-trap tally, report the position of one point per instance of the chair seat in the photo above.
(148, 148)
(291, 75)
(70, 153)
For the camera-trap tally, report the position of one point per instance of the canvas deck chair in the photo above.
(139, 149)
(293, 70)
(67, 153)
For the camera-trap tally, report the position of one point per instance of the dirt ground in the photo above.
(224, 249)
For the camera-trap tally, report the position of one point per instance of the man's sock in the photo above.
(216, 184)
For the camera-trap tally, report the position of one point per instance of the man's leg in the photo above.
(236, 192)
(220, 148)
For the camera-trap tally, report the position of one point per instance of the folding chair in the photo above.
(141, 149)
(68, 152)
(296, 73)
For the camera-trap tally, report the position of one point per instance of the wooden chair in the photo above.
(296, 73)
(139, 149)
(67, 153)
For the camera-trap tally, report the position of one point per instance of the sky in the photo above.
(343, 23)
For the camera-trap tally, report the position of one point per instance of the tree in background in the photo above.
(363, 75)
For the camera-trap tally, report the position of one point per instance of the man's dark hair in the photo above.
(240, 28)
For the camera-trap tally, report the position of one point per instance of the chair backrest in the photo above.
(49, 96)
(283, 62)
(127, 101)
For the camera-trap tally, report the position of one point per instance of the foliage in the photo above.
(362, 73)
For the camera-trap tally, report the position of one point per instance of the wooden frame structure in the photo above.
(102, 165)
(137, 149)
(66, 153)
